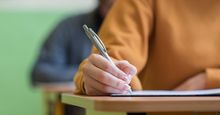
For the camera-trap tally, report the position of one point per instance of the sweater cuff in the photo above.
(78, 79)
(212, 78)
(135, 83)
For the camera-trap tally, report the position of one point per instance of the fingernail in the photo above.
(122, 85)
(129, 78)
(126, 87)
(129, 87)
(132, 73)
(129, 71)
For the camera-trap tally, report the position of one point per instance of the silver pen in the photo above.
(99, 45)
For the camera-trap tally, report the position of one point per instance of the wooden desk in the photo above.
(103, 105)
(57, 87)
(51, 96)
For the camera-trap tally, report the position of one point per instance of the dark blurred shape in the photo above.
(67, 46)
(64, 49)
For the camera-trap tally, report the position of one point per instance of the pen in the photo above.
(99, 45)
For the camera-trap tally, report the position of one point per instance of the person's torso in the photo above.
(185, 41)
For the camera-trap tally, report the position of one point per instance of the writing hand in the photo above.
(102, 78)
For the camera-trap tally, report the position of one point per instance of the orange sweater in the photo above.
(167, 40)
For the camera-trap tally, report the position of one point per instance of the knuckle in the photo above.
(91, 57)
(103, 76)
(119, 75)
(106, 67)
(134, 70)
(117, 84)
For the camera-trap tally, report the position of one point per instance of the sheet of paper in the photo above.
(147, 93)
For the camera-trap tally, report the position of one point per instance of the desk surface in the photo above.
(143, 104)
(57, 87)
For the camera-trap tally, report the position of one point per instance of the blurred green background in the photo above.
(21, 35)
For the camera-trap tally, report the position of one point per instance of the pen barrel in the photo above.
(104, 54)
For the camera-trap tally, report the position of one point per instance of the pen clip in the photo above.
(88, 33)
(99, 40)
(94, 38)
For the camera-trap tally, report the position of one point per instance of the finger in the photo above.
(102, 87)
(104, 77)
(126, 67)
(91, 90)
(102, 63)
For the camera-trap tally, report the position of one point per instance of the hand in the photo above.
(196, 82)
(102, 78)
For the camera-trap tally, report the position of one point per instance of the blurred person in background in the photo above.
(65, 48)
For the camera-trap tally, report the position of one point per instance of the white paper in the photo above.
(209, 92)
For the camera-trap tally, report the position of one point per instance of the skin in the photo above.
(196, 82)
(102, 78)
